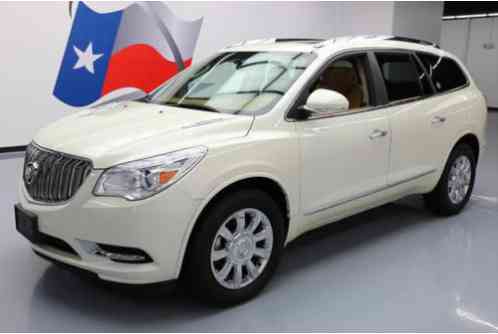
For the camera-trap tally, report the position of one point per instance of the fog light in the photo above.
(122, 254)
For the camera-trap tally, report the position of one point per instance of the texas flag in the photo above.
(138, 47)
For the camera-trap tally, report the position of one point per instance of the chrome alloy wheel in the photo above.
(459, 180)
(241, 248)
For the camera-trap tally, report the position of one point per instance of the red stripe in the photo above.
(139, 66)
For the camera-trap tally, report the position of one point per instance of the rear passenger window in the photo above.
(400, 76)
(444, 72)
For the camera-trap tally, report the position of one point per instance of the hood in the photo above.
(122, 132)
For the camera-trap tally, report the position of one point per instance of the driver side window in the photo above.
(347, 76)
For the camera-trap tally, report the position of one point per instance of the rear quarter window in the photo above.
(444, 72)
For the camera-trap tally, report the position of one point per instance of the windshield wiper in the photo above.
(193, 106)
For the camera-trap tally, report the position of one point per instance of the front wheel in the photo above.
(236, 248)
(456, 184)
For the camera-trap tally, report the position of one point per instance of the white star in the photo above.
(87, 58)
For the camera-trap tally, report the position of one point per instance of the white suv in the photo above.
(209, 177)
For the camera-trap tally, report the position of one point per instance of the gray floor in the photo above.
(393, 268)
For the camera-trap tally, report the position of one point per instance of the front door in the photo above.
(344, 157)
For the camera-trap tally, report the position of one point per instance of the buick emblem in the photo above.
(31, 171)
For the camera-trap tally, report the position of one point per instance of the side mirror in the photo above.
(325, 101)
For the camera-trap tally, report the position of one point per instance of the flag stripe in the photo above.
(139, 66)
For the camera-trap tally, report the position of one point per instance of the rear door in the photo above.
(407, 88)
(450, 106)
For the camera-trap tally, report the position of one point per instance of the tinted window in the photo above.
(400, 76)
(445, 72)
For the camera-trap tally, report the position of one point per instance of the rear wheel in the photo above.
(236, 248)
(456, 184)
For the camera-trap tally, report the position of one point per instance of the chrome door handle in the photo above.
(438, 119)
(377, 134)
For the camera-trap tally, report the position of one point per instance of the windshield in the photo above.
(243, 83)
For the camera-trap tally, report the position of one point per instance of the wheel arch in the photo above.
(470, 139)
(265, 183)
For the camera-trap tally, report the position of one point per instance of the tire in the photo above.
(441, 200)
(203, 274)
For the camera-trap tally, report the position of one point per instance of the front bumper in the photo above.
(159, 226)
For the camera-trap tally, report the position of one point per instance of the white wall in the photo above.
(470, 40)
(418, 19)
(483, 62)
(454, 37)
(226, 23)
(33, 36)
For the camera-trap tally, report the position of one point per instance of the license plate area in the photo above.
(27, 224)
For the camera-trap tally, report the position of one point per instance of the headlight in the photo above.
(143, 178)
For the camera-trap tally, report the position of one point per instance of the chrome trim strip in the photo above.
(368, 193)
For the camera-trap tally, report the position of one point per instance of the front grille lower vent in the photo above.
(52, 176)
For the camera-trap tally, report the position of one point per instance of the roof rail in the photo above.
(306, 40)
(318, 43)
(254, 41)
(277, 40)
(349, 39)
(374, 37)
(412, 40)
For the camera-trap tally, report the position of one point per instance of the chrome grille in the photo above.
(52, 176)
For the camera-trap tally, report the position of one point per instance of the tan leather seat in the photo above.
(344, 81)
